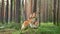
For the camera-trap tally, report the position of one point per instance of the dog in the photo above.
(31, 21)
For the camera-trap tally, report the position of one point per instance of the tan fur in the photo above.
(25, 24)
(29, 22)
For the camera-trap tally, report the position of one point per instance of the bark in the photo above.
(25, 15)
(2, 11)
(11, 10)
(18, 14)
(54, 12)
(7, 11)
(35, 6)
(58, 13)
(28, 8)
(14, 9)
(39, 11)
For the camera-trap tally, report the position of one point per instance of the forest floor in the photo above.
(44, 28)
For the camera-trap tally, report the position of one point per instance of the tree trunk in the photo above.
(25, 16)
(14, 9)
(35, 6)
(58, 13)
(2, 11)
(54, 12)
(28, 8)
(11, 10)
(7, 11)
(18, 14)
(39, 6)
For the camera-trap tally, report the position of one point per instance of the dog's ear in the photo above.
(30, 16)
(34, 15)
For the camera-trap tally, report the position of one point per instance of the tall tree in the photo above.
(7, 10)
(2, 11)
(54, 12)
(9, 6)
(39, 10)
(25, 16)
(58, 12)
(18, 13)
(22, 11)
(38, 3)
(14, 9)
(35, 6)
(28, 8)
(11, 10)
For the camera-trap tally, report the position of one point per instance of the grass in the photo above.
(44, 28)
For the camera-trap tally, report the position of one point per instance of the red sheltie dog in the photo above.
(30, 22)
